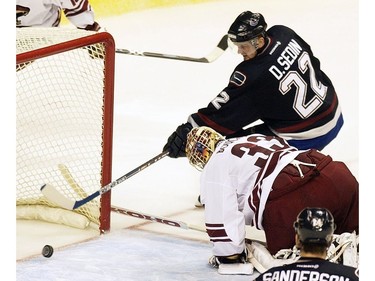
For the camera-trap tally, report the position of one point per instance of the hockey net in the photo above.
(64, 120)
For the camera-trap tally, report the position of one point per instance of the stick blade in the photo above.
(50, 192)
(223, 44)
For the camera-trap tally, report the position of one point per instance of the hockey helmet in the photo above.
(200, 145)
(315, 226)
(247, 26)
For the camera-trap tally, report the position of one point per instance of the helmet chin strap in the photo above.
(255, 43)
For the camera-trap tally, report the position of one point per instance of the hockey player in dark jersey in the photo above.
(314, 232)
(279, 83)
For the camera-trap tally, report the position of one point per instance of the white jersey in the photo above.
(47, 13)
(228, 191)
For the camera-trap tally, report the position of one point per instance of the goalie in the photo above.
(261, 181)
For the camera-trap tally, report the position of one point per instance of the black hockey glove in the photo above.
(92, 27)
(215, 261)
(177, 141)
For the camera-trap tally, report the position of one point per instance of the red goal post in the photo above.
(64, 122)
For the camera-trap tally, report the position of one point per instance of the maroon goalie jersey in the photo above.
(285, 88)
(263, 182)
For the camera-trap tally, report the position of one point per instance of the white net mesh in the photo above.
(60, 117)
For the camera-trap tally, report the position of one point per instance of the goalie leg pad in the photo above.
(344, 249)
(262, 259)
(236, 268)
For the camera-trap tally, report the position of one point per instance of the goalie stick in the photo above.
(80, 191)
(51, 193)
(215, 53)
(135, 214)
(158, 219)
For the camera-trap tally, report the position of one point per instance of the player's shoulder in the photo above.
(280, 27)
(317, 266)
(280, 30)
(325, 266)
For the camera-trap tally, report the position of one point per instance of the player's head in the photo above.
(315, 226)
(248, 33)
(247, 26)
(200, 144)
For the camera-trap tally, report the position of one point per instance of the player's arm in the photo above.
(81, 14)
(225, 224)
(234, 108)
(227, 113)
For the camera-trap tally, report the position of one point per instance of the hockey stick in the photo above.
(54, 195)
(153, 218)
(215, 53)
(71, 181)
(80, 191)
(167, 221)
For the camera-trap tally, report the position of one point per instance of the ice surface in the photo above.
(152, 97)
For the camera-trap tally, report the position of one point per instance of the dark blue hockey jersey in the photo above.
(310, 269)
(285, 88)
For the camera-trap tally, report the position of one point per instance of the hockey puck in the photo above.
(47, 251)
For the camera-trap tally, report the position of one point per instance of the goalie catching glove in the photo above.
(177, 141)
(234, 264)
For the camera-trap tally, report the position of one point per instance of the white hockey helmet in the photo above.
(200, 144)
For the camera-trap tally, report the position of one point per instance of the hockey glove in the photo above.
(237, 258)
(234, 264)
(92, 27)
(177, 141)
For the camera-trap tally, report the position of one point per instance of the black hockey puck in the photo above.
(47, 251)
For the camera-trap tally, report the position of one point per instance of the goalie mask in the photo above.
(200, 144)
(315, 226)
